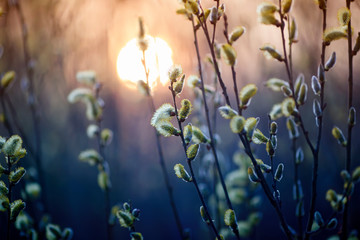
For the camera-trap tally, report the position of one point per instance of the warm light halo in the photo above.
(158, 61)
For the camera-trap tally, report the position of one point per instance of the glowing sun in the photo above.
(158, 61)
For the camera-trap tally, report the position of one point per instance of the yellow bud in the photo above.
(213, 15)
(33, 190)
(268, 19)
(331, 61)
(12, 146)
(175, 72)
(15, 208)
(230, 218)
(276, 111)
(286, 6)
(271, 52)
(204, 215)
(356, 175)
(178, 86)
(344, 16)
(181, 173)
(352, 117)
(104, 180)
(7, 79)
(166, 129)
(163, 113)
(275, 84)
(333, 34)
(192, 6)
(188, 133)
(229, 54)
(252, 175)
(193, 81)
(338, 135)
(236, 34)
(292, 128)
(259, 137)
(192, 151)
(17, 175)
(266, 7)
(237, 124)
(199, 136)
(92, 131)
(185, 109)
(247, 93)
(250, 126)
(279, 172)
(90, 156)
(298, 82)
(293, 34)
(227, 112)
(302, 94)
(86, 77)
(79, 94)
(126, 219)
(4, 203)
(288, 106)
(106, 136)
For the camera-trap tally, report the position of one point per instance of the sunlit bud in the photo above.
(344, 16)
(356, 175)
(293, 34)
(7, 79)
(252, 175)
(315, 85)
(297, 191)
(192, 151)
(333, 34)
(302, 94)
(330, 62)
(174, 72)
(318, 219)
(90, 156)
(12, 146)
(181, 173)
(237, 124)
(270, 148)
(227, 112)
(33, 190)
(236, 33)
(332, 224)
(286, 6)
(352, 117)
(193, 81)
(321, 3)
(86, 77)
(166, 129)
(204, 215)
(213, 15)
(292, 128)
(250, 126)
(178, 86)
(188, 133)
(276, 111)
(104, 181)
(136, 236)
(338, 135)
(221, 11)
(247, 93)
(317, 108)
(286, 91)
(266, 7)
(273, 128)
(275, 84)
(228, 53)
(16, 207)
(271, 52)
(300, 212)
(357, 45)
(279, 172)
(288, 106)
(163, 113)
(199, 136)
(298, 82)
(259, 137)
(143, 88)
(185, 109)
(141, 28)
(192, 6)
(126, 219)
(230, 218)
(4, 203)
(106, 136)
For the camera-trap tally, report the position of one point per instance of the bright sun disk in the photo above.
(158, 61)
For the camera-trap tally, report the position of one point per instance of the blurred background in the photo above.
(66, 36)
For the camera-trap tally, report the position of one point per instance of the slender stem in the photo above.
(296, 185)
(212, 141)
(210, 222)
(344, 229)
(168, 185)
(32, 102)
